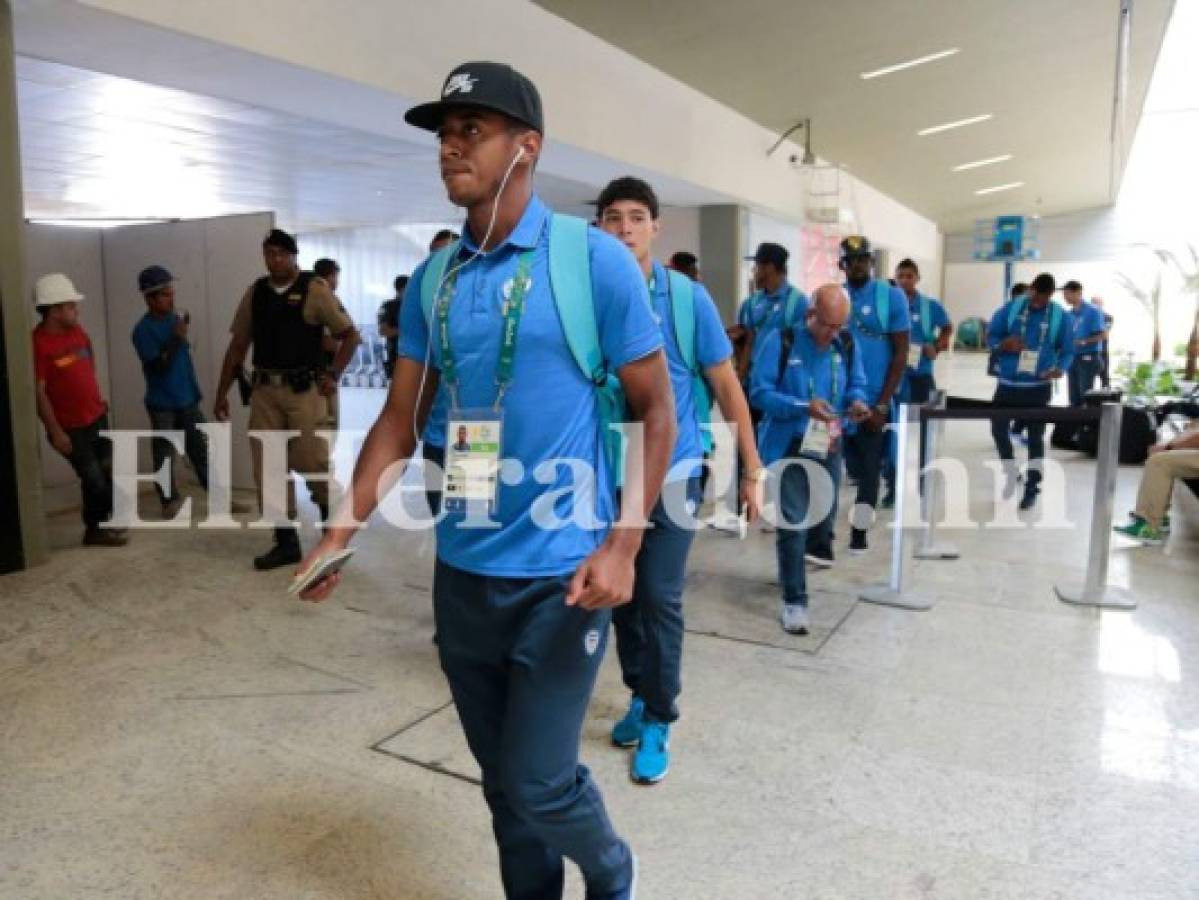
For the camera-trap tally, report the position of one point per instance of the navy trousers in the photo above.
(521, 665)
(649, 630)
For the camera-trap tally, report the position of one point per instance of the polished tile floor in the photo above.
(172, 725)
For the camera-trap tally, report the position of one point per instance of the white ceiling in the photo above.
(98, 146)
(1044, 69)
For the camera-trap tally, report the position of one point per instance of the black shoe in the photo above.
(888, 501)
(820, 557)
(104, 537)
(286, 551)
(857, 542)
(1029, 500)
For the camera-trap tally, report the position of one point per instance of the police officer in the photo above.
(284, 315)
(522, 610)
(1031, 348)
(649, 630)
(389, 325)
(879, 323)
(808, 382)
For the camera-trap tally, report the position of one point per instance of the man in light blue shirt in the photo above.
(1088, 331)
(814, 388)
(522, 608)
(172, 391)
(1031, 348)
(879, 323)
(774, 303)
(649, 630)
(929, 338)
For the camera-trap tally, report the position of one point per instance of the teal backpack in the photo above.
(682, 310)
(926, 318)
(570, 284)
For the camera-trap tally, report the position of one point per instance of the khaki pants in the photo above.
(279, 408)
(332, 419)
(1157, 482)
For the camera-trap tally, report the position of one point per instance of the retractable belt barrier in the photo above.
(1093, 590)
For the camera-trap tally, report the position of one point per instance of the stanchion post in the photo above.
(892, 593)
(1094, 590)
(928, 548)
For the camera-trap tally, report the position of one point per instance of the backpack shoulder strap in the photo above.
(786, 343)
(431, 278)
(1015, 310)
(1055, 322)
(682, 310)
(570, 283)
(791, 309)
(926, 318)
(882, 301)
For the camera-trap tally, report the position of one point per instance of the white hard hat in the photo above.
(51, 290)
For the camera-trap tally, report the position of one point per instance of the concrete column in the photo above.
(721, 248)
(22, 523)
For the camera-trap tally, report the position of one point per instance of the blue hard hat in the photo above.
(153, 278)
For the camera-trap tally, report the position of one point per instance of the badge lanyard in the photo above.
(1029, 359)
(514, 308)
(819, 436)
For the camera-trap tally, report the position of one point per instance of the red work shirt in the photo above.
(65, 362)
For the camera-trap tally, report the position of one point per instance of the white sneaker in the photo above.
(794, 618)
(765, 527)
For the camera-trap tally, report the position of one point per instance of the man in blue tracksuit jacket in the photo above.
(1031, 348)
(809, 383)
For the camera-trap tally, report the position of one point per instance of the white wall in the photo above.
(679, 231)
(899, 232)
(214, 260)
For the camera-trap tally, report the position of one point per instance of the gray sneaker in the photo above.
(794, 618)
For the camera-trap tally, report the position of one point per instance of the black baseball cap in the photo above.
(153, 278)
(484, 85)
(773, 254)
(1071, 286)
(855, 245)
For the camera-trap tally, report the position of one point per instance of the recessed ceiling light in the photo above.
(973, 120)
(920, 60)
(979, 163)
(1000, 187)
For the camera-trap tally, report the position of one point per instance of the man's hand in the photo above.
(876, 421)
(181, 328)
(220, 409)
(931, 350)
(320, 591)
(604, 579)
(753, 493)
(859, 412)
(1163, 447)
(819, 409)
(60, 441)
(1012, 344)
(326, 386)
(1052, 374)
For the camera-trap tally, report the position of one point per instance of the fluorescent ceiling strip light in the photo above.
(919, 61)
(1000, 187)
(960, 123)
(979, 163)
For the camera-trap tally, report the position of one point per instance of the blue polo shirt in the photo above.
(938, 319)
(809, 372)
(1033, 326)
(763, 312)
(1086, 322)
(873, 336)
(550, 409)
(712, 346)
(175, 386)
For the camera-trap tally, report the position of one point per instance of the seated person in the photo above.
(1170, 460)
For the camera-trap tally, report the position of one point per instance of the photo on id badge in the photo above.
(472, 466)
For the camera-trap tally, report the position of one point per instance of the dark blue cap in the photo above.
(153, 278)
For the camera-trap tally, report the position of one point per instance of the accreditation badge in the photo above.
(820, 438)
(474, 440)
(1028, 362)
(915, 354)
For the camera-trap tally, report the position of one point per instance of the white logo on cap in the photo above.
(462, 83)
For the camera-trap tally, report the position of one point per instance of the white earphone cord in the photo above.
(495, 206)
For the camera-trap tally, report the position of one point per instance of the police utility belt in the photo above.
(299, 380)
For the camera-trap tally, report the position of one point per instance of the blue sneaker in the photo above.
(627, 731)
(651, 762)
